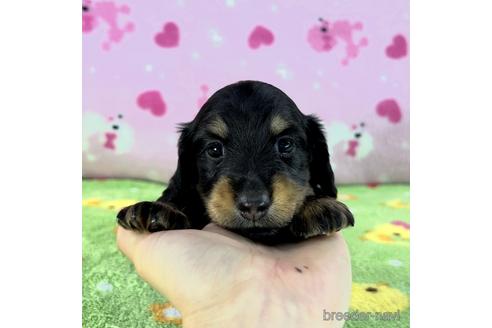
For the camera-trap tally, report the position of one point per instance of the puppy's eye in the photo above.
(215, 150)
(285, 145)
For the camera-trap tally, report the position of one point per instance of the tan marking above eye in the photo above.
(218, 127)
(278, 124)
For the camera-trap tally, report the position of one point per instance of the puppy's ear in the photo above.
(322, 179)
(181, 185)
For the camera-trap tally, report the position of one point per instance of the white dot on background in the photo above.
(230, 3)
(274, 8)
(215, 36)
(104, 287)
(92, 69)
(195, 55)
(283, 72)
(149, 68)
(395, 263)
(383, 78)
(172, 313)
(316, 86)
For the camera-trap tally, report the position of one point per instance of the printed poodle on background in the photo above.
(323, 37)
(108, 12)
(397, 233)
(354, 141)
(101, 134)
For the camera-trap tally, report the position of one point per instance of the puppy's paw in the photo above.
(320, 216)
(152, 217)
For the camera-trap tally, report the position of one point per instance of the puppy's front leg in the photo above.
(152, 217)
(320, 215)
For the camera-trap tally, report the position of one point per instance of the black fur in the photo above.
(252, 156)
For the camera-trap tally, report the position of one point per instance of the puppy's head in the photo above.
(253, 157)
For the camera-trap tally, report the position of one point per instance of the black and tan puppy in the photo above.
(252, 163)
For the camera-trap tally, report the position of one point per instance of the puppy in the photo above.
(252, 163)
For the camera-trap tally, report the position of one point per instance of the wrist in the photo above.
(255, 307)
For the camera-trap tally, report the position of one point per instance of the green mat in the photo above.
(114, 295)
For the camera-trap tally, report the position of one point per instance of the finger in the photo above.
(188, 266)
(155, 259)
(212, 227)
(322, 251)
(231, 237)
(162, 259)
(128, 240)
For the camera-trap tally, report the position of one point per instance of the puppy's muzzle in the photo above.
(253, 206)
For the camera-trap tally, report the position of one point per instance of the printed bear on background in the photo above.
(323, 37)
(354, 141)
(100, 134)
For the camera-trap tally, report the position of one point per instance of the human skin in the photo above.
(219, 279)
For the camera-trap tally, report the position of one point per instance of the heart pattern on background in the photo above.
(389, 108)
(185, 51)
(169, 36)
(260, 36)
(398, 48)
(152, 100)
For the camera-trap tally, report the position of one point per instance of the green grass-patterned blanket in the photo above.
(114, 295)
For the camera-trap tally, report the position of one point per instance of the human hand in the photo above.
(219, 279)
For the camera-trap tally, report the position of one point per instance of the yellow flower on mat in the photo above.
(397, 203)
(377, 297)
(345, 197)
(396, 232)
(113, 204)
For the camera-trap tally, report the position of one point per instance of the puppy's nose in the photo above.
(253, 206)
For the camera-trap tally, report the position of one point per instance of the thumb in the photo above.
(164, 260)
(127, 241)
(150, 254)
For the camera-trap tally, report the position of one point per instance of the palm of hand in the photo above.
(212, 274)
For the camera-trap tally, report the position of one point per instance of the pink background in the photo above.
(208, 44)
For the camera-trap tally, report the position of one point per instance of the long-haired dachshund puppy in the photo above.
(252, 163)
